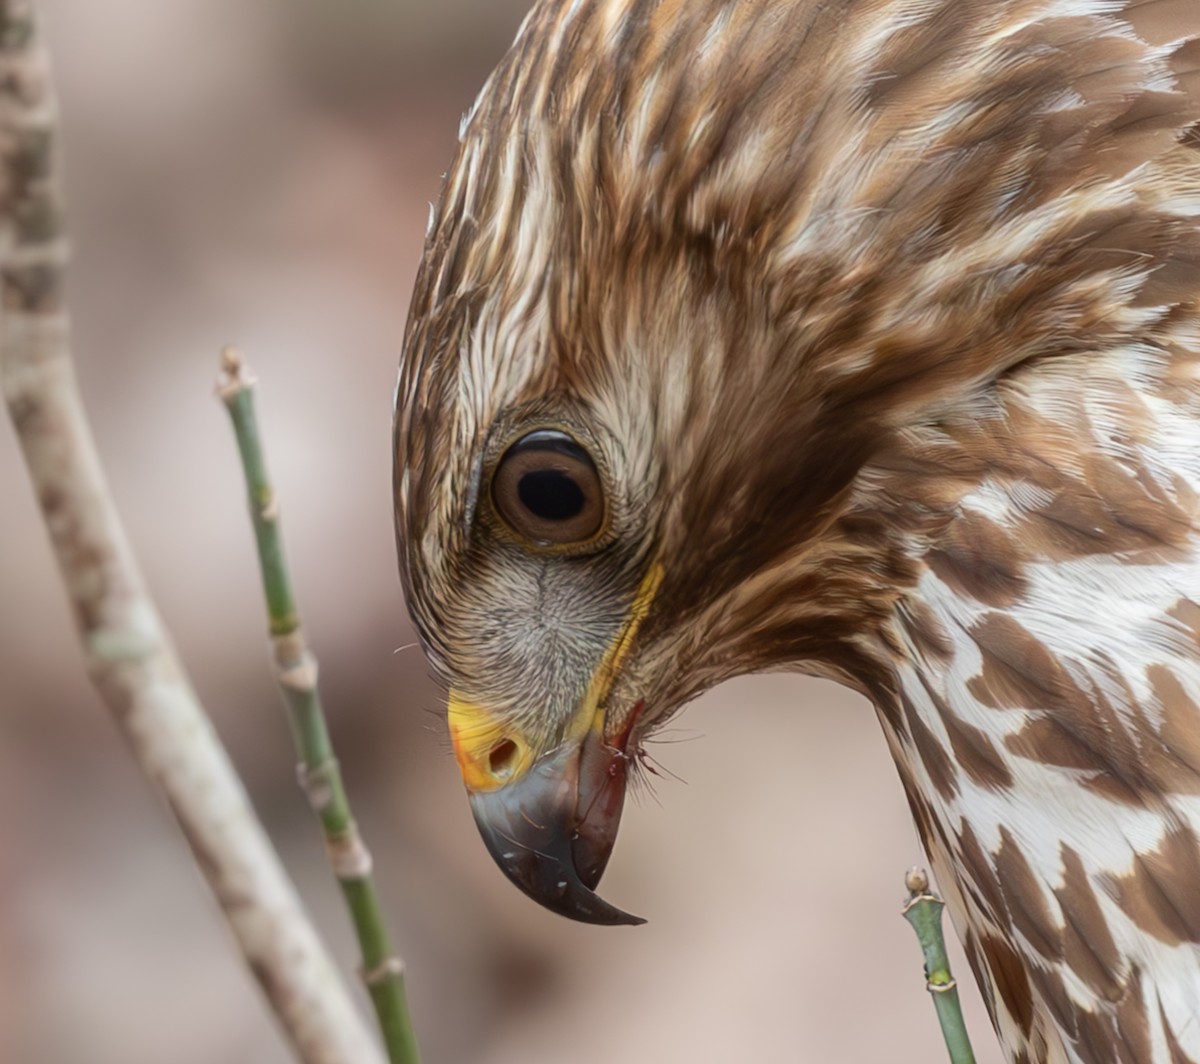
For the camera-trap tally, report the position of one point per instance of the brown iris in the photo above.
(546, 488)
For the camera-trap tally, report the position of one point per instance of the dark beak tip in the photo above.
(593, 909)
(536, 848)
(551, 881)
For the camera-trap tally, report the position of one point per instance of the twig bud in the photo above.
(916, 880)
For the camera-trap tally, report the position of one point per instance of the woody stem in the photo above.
(127, 651)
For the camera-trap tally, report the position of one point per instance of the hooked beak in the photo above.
(550, 818)
(552, 830)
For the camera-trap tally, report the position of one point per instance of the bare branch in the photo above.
(127, 652)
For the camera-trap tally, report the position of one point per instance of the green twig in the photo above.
(320, 776)
(924, 911)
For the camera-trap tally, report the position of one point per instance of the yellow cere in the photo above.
(491, 755)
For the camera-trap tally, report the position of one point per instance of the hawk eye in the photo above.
(546, 489)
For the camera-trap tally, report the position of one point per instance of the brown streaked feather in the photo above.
(884, 316)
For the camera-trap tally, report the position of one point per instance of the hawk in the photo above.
(859, 338)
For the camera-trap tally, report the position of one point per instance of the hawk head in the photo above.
(700, 275)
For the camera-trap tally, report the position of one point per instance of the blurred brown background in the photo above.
(260, 173)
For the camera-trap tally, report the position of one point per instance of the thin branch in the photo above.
(127, 652)
(320, 776)
(923, 911)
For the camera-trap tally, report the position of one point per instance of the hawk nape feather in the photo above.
(859, 338)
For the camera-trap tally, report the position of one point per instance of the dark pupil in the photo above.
(551, 495)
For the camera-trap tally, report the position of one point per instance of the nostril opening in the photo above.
(503, 758)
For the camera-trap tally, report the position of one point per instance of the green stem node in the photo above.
(318, 772)
(923, 911)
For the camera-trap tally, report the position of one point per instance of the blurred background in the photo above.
(261, 173)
